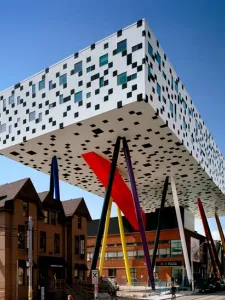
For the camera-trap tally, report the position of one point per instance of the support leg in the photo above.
(181, 229)
(221, 236)
(105, 205)
(138, 213)
(56, 178)
(210, 242)
(104, 242)
(123, 240)
(160, 218)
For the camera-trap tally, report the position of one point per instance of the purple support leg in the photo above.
(138, 213)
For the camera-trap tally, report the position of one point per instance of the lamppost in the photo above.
(192, 265)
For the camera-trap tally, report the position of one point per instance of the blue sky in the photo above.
(36, 34)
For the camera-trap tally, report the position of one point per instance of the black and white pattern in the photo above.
(48, 115)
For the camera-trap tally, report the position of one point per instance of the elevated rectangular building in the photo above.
(123, 85)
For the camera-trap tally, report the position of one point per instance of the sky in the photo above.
(37, 34)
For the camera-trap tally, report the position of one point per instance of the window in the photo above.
(184, 124)
(77, 244)
(172, 82)
(164, 99)
(122, 78)
(50, 85)
(140, 253)
(78, 67)
(43, 241)
(33, 89)
(171, 107)
(41, 84)
(184, 104)
(158, 58)
(56, 243)
(10, 128)
(149, 71)
(4, 103)
(164, 252)
(46, 217)
(111, 255)
(164, 75)
(176, 86)
(11, 99)
(136, 47)
(89, 256)
(39, 117)
(79, 222)
(88, 95)
(158, 89)
(91, 68)
(21, 237)
(61, 99)
(2, 128)
(21, 276)
(121, 46)
(133, 274)
(133, 76)
(78, 97)
(112, 272)
(150, 50)
(101, 82)
(25, 209)
(176, 248)
(82, 247)
(32, 116)
(62, 79)
(18, 100)
(53, 218)
(103, 60)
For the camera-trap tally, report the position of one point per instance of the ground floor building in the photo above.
(169, 262)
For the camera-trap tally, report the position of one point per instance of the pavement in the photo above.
(145, 293)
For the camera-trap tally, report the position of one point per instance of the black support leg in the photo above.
(160, 218)
(101, 225)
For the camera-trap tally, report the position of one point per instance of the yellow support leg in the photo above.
(104, 241)
(127, 267)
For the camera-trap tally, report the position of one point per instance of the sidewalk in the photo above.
(143, 292)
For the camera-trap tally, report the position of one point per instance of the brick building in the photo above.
(170, 260)
(59, 239)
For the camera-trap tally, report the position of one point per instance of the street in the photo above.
(199, 296)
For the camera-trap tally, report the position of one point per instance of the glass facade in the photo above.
(41, 85)
(122, 46)
(176, 248)
(78, 67)
(78, 97)
(62, 79)
(122, 78)
(150, 50)
(103, 60)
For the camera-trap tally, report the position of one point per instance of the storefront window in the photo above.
(164, 252)
(112, 272)
(177, 274)
(176, 248)
(21, 276)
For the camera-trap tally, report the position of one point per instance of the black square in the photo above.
(92, 46)
(110, 91)
(110, 65)
(30, 83)
(76, 115)
(80, 103)
(139, 23)
(106, 98)
(129, 95)
(134, 65)
(27, 94)
(139, 68)
(124, 86)
(143, 33)
(106, 45)
(106, 72)
(134, 87)
(40, 105)
(72, 92)
(88, 105)
(65, 114)
(88, 59)
(46, 70)
(34, 95)
(97, 92)
(64, 66)
(57, 74)
(119, 104)
(119, 33)
(80, 83)
(97, 106)
(61, 126)
(124, 53)
(43, 95)
(88, 84)
(139, 97)
(114, 73)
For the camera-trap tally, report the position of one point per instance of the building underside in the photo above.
(155, 151)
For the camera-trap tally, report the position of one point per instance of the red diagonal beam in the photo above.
(120, 194)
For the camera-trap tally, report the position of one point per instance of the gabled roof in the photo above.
(43, 195)
(22, 188)
(11, 190)
(76, 206)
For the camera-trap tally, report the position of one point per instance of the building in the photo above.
(59, 239)
(170, 260)
(123, 85)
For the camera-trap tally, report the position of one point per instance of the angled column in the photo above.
(54, 179)
(220, 231)
(105, 236)
(124, 247)
(101, 225)
(160, 220)
(181, 230)
(138, 213)
(210, 242)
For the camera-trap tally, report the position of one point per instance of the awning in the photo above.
(23, 264)
(81, 267)
(52, 262)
